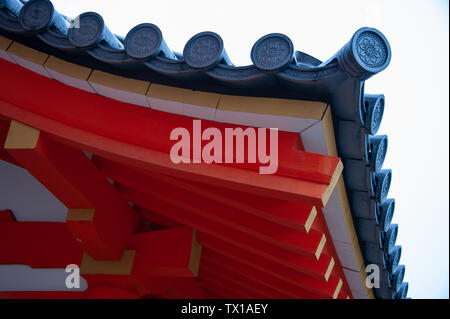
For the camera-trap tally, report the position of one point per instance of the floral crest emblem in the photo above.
(371, 49)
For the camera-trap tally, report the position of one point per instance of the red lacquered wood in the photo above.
(286, 289)
(76, 182)
(239, 239)
(289, 214)
(306, 281)
(133, 124)
(38, 245)
(263, 229)
(272, 186)
(6, 216)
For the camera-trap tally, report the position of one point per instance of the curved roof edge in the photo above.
(277, 71)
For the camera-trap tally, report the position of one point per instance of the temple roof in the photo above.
(277, 71)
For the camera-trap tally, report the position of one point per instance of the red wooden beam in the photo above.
(236, 279)
(171, 254)
(240, 275)
(6, 216)
(127, 122)
(8, 158)
(157, 219)
(283, 287)
(38, 245)
(168, 253)
(98, 218)
(236, 289)
(218, 288)
(309, 244)
(321, 286)
(233, 237)
(296, 216)
(109, 293)
(4, 127)
(154, 263)
(293, 215)
(273, 186)
(280, 277)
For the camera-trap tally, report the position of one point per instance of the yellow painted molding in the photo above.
(196, 253)
(330, 139)
(179, 95)
(164, 92)
(310, 219)
(119, 82)
(90, 266)
(4, 43)
(70, 69)
(351, 230)
(27, 53)
(349, 221)
(80, 214)
(321, 246)
(330, 268)
(345, 207)
(333, 182)
(272, 106)
(357, 251)
(205, 99)
(342, 193)
(21, 136)
(338, 289)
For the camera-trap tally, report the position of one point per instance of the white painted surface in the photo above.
(28, 199)
(338, 228)
(283, 123)
(313, 139)
(5, 55)
(201, 112)
(333, 206)
(355, 283)
(165, 106)
(120, 95)
(346, 255)
(68, 80)
(25, 278)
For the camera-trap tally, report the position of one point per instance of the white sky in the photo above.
(415, 85)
